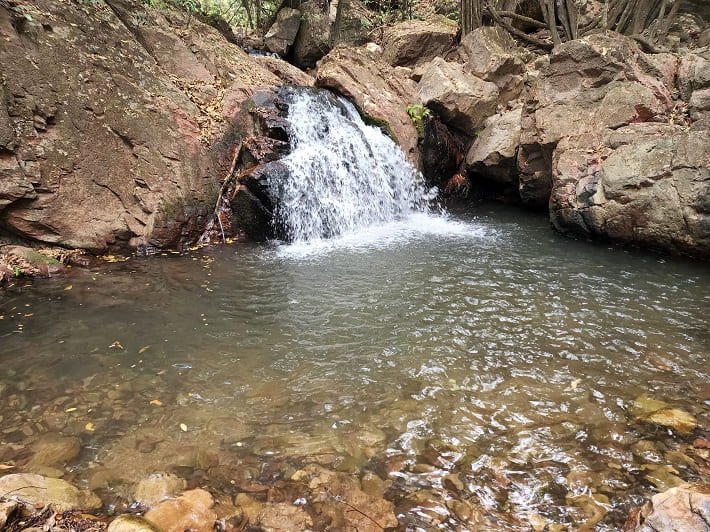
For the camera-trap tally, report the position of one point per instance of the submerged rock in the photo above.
(660, 413)
(685, 508)
(39, 490)
(54, 450)
(158, 487)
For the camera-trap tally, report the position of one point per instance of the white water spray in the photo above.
(344, 175)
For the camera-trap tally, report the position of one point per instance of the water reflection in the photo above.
(485, 376)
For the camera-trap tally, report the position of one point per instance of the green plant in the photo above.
(418, 114)
(17, 272)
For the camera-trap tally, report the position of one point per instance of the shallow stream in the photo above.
(479, 370)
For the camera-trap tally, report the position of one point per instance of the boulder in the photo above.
(684, 508)
(462, 100)
(375, 88)
(414, 42)
(588, 85)
(105, 146)
(191, 511)
(644, 184)
(283, 31)
(313, 39)
(39, 491)
(493, 152)
(492, 55)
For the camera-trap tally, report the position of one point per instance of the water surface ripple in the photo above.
(479, 358)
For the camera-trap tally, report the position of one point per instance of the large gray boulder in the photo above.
(462, 100)
(283, 31)
(313, 39)
(493, 152)
(588, 85)
(414, 42)
(492, 55)
(645, 184)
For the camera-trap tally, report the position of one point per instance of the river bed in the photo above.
(477, 370)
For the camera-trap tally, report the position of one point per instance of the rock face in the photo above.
(417, 41)
(492, 55)
(683, 508)
(380, 93)
(493, 152)
(462, 100)
(588, 85)
(283, 31)
(105, 145)
(645, 184)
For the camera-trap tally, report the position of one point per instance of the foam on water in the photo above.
(415, 226)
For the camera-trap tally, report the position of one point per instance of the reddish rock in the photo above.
(374, 87)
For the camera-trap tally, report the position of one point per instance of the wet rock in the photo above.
(283, 31)
(442, 152)
(54, 450)
(662, 476)
(131, 523)
(492, 55)
(417, 41)
(658, 412)
(191, 511)
(462, 100)
(378, 92)
(593, 506)
(39, 490)
(158, 487)
(340, 497)
(282, 517)
(683, 508)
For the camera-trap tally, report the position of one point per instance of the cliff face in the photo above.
(117, 121)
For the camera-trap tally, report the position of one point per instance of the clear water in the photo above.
(344, 175)
(482, 345)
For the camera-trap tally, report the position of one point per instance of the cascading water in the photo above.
(343, 174)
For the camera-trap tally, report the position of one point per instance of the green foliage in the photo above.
(17, 271)
(418, 114)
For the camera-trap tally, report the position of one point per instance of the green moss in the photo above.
(382, 124)
(36, 256)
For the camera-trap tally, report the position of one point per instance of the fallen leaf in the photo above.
(6, 466)
(68, 287)
(143, 349)
(116, 345)
(183, 427)
(72, 409)
(89, 427)
(156, 402)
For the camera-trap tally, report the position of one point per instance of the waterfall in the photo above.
(343, 174)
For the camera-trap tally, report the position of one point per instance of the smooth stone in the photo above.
(158, 487)
(685, 507)
(39, 490)
(54, 450)
(131, 523)
(191, 511)
(674, 418)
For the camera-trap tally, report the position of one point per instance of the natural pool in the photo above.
(479, 372)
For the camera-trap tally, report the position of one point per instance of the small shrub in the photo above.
(418, 113)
